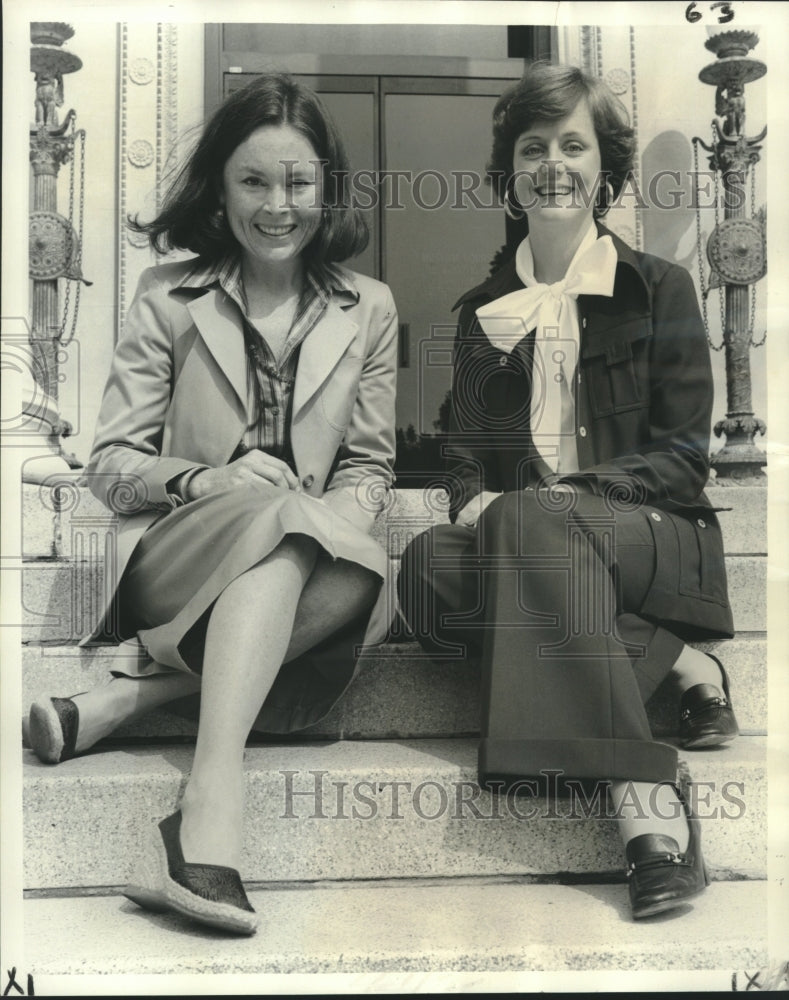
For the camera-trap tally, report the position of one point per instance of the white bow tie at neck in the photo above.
(508, 319)
(550, 311)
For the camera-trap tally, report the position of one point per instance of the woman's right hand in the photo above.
(250, 468)
(471, 513)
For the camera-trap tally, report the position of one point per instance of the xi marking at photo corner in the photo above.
(419, 761)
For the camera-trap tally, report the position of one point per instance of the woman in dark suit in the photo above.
(582, 553)
(246, 440)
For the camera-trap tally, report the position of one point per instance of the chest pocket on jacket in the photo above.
(616, 366)
(338, 393)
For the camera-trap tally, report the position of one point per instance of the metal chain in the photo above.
(704, 289)
(752, 323)
(721, 289)
(78, 135)
(69, 245)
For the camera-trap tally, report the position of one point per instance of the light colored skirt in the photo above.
(186, 559)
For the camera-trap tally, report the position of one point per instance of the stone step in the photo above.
(353, 810)
(398, 692)
(378, 938)
(62, 599)
(58, 525)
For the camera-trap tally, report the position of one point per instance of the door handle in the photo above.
(404, 345)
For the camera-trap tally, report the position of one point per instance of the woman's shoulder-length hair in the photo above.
(191, 217)
(549, 92)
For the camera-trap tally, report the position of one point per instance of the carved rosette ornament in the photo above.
(141, 71)
(140, 153)
(618, 80)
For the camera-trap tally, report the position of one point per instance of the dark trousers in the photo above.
(546, 597)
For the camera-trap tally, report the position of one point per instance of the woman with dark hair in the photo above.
(246, 440)
(583, 554)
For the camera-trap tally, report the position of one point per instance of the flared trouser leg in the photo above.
(544, 598)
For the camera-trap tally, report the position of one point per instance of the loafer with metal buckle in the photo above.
(706, 716)
(660, 876)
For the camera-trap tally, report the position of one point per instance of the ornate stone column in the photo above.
(54, 245)
(736, 248)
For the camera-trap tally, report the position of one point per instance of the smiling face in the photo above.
(557, 167)
(271, 193)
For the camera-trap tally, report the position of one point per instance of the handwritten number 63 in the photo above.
(726, 13)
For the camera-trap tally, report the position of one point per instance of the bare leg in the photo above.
(642, 807)
(248, 635)
(694, 667)
(104, 708)
(335, 593)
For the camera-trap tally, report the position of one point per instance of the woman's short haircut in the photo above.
(549, 92)
(191, 217)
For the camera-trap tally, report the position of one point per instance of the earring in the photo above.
(605, 198)
(514, 211)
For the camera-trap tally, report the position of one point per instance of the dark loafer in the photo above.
(52, 729)
(706, 716)
(208, 894)
(660, 876)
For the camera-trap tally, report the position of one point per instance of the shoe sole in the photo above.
(669, 904)
(711, 740)
(666, 904)
(153, 872)
(45, 733)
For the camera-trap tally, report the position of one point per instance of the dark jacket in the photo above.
(644, 397)
(644, 390)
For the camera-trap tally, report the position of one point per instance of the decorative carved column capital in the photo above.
(49, 150)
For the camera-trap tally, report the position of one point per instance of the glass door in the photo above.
(440, 235)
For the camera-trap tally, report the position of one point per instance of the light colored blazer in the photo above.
(176, 398)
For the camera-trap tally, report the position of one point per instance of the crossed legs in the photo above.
(335, 593)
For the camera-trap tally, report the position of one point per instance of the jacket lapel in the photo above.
(320, 351)
(217, 319)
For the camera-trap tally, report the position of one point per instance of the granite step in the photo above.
(58, 523)
(398, 692)
(406, 938)
(349, 810)
(63, 599)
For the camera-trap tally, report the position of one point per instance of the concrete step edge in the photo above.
(412, 930)
(347, 810)
(397, 691)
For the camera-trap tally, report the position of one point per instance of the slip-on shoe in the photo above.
(706, 716)
(660, 876)
(208, 894)
(52, 729)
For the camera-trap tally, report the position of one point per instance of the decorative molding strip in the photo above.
(591, 50)
(148, 53)
(170, 94)
(123, 43)
(159, 88)
(634, 102)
